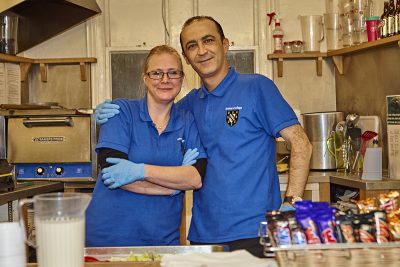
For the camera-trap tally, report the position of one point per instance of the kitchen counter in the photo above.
(317, 188)
(349, 180)
(28, 189)
(367, 188)
(113, 264)
(313, 177)
(355, 181)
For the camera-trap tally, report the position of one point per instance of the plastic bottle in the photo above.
(277, 34)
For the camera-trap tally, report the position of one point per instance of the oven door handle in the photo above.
(48, 122)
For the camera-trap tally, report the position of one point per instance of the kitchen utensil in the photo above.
(354, 149)
(365, 137)
(336, 147)
(312, 31)
(318, 127)
(370, 123)
(340, 126)
(351, 121)
(333, 31)
(60, 228)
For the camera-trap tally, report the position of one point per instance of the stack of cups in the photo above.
(333, 27)
(12, 245)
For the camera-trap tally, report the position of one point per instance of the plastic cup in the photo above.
(333, 31)
(372, 168)
(312, 31)
(373, 23)
(12, 245)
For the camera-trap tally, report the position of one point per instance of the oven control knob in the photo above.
(40, 171)
(59, 170)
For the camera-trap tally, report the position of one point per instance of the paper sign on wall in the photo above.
(10, 83)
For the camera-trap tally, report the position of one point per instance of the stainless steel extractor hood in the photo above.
(39, 20)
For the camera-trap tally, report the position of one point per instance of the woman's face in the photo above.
(164, 89)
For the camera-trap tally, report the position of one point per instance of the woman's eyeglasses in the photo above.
(158, 75)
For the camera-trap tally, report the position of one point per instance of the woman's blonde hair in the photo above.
(158, 50)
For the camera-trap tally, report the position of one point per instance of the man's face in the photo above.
(204, 50)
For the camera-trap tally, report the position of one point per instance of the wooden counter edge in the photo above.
(113, 264)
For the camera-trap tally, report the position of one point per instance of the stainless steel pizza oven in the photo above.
(51, 144)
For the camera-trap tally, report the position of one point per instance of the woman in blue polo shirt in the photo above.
(148, 156)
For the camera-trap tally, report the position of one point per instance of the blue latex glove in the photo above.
(106, 110)
(287, 207)
(190, 157)
(121, 173)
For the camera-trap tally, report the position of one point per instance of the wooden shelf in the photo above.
(364, 46)
(336, 55)
(317, 56)
(26, 63)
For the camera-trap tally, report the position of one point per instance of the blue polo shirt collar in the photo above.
(173, 124)
(222, 87)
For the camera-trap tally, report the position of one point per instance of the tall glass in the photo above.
(360, 9)
(9, 34)
(60, 228)
(333, 31)
(346, 16)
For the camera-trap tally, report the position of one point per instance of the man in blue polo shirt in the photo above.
(238, 116)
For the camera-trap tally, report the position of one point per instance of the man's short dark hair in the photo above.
(197, 18)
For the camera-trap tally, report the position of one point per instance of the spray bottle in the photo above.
(277, 33)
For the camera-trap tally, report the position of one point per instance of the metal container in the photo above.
(51, 144)
(318, 127)
(49, 139)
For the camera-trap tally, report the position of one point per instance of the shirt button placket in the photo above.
(209, 112)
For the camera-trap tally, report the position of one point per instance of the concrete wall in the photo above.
(369, 76)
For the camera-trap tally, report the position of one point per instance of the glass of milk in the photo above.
(60, 228)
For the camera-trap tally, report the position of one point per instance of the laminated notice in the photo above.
(393, 134)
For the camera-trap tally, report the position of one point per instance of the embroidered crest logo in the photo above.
(232, 117)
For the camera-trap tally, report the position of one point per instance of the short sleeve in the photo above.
(116, 133)
(271, 108)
